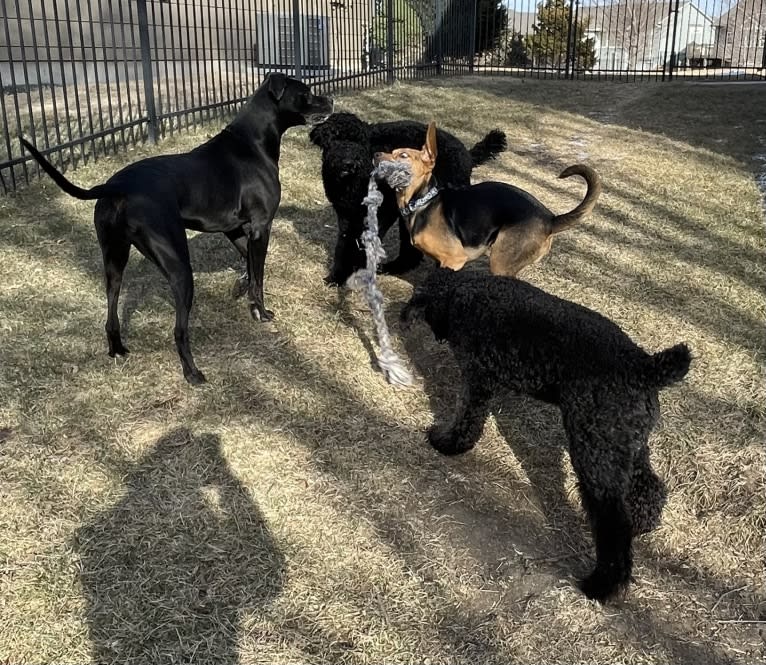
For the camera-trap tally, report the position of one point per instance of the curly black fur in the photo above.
(348, 144)
(506, 333)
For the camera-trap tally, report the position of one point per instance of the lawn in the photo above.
(291, 511)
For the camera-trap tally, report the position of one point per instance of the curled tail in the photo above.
(69, 187)
(488, 148)
(563, 222)
(668, 366)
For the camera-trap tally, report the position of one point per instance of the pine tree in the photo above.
(408, 30)
(452, 35)
(548, 44)
(516, 54)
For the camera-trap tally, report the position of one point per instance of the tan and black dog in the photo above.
(455, 226)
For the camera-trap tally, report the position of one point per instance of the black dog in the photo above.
(229, 184)
(507, 334)
(348, 145)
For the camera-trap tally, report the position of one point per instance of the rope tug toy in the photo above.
(397, 176)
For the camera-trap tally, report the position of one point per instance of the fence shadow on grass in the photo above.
(168, 571)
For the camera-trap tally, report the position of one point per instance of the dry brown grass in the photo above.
(291, 511)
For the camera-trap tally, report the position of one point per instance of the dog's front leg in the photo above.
(257, 246)
(463, 434)
(409, 256)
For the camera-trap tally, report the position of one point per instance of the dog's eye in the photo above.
(404, 155)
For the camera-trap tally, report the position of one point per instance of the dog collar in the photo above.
(418, 204)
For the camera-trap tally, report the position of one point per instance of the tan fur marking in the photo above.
(516, 248)
(438, 241)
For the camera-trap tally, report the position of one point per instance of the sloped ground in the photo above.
(291, 510)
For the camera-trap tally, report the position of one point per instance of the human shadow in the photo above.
(168, 571)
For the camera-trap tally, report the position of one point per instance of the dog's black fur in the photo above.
(229, 184)
(507, 334)
(348, 145)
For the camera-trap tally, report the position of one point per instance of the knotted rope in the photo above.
(397, 176)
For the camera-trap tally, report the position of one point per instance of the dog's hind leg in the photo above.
(182, 285)
(257, 246)
(465, 431)
(115, 249)
(647, 495)
(165, 245)
(613, 534)
(516, 248)
(601, 451)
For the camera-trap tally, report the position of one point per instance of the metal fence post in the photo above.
(146, 64)
(390, 40)
(472, 38)
(439, 33)
(673, 43)
(297, 41)
(569, 40)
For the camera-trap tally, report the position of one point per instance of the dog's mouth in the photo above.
(317, 117)
(314, 119)
(379, 157)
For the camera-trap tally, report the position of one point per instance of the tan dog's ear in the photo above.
(430, 147)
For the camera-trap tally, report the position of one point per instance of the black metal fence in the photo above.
(86, 77)
(625, 39)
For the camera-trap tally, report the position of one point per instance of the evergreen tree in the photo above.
(516, 54)
(548, 44)
(452, 34)
(408, 30)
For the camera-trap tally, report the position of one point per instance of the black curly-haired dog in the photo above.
(507, 334)
(348, 144)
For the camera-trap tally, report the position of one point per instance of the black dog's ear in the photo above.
(277, 84)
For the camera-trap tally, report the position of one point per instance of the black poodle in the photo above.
(507, 334)
(348, 144)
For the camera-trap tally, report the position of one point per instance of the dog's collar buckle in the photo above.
(418, 204)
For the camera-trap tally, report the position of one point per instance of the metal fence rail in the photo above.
(86, 77)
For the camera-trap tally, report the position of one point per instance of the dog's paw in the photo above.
(334, 279)
(446, 442)
(603, 586)
(195, 378)
(261, 313)
(118, 350)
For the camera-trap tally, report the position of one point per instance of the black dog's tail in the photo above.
(563, 222)
(69, 187)
(488, 148)
(668, 366)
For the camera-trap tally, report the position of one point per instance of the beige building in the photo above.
(101, 36)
